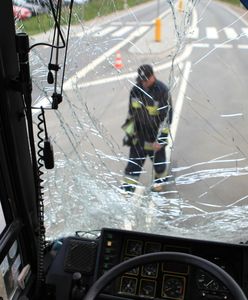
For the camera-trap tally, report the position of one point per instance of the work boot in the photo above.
(129, 188)
(157, 187)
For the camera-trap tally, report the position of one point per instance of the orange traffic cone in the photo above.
(118, 60)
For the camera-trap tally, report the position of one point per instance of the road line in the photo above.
(72, 81)
(104, 32)
(193, 33)
(200, 45)
(133, 23)
(245, 30)
(178, 109)
(212, 33)
(179, 101)
(122, 31)
(243, 47)
(230, 33)
(86, 32)
(222, 46)
(128, 76)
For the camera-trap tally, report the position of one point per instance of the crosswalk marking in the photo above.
(244, 47)
(139, 31)
(223, 46)
(245, 31)
(87, 32)
(105, 31)
(200, 45)
(220, 46)
(212, 33)
(122, 31)
(193, 33)
(132, 23)
(230, 33)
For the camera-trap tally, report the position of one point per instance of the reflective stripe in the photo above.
(148, 146)
(165, 130)
(136, 104)
(131, 180)
(129, 128)
(152, 110)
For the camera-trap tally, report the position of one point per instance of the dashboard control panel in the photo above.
(168, 280)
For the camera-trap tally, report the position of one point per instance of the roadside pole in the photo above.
(158, 24)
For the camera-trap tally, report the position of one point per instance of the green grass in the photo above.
(81, 13)
(235, 2)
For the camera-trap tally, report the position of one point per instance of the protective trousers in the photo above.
(137, 157)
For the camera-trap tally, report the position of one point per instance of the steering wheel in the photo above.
(129, 264)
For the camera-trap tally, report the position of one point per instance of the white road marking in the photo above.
(245, 31)
(243, 47)
(178, 107)
(127, 76)
(223, 46)
(200, 45)
(105, 31)
(122, 31)
(232, 115)
(193, 33)
(133, 23)
(80, 74)
(87, 31)
(212, 33)
(230, 33)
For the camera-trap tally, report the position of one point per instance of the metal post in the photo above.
(180, 6)
(158, 24)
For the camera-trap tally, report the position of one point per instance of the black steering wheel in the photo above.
(204, 264)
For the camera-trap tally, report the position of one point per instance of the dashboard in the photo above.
(90, 259)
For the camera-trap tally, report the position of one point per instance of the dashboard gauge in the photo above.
(150, 270)
(173, 287)
(134, 248)
(128, 285)
(133, 271)
(152, 247)
(147, 288)
(207, 282)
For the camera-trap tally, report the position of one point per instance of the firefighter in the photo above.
(147, 128)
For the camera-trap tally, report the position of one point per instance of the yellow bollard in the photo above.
(158, 30)
(180, 6)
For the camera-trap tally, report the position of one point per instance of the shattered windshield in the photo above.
(198, 53)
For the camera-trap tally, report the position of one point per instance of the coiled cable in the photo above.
(42, 240)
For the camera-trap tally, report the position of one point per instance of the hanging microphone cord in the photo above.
(57, 96)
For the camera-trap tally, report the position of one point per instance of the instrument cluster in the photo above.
(166, 280)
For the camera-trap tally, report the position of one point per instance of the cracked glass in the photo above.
(199, 50)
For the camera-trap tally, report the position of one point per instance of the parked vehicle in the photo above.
(21, 13)
(35, 8)
(67, 2)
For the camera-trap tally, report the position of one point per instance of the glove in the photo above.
(163, 139)
(127, 140)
